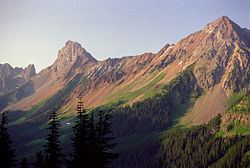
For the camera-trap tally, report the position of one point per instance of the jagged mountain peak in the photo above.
(219, 51)
(9, 71)
(13, 78)
(71, 43)
(73, 50)
(29, 71)
(71, 57)
(223, 20)
(223, 27)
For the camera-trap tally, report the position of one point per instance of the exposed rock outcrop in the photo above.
(13, 78)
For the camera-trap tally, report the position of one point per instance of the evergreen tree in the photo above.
(92, 131)
(39, 163)
(92, 145)
(92, 139)
(7, 156)
(24, 163)
(104, 141)
(81, 157)
(52, 148)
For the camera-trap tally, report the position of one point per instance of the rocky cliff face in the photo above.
(71, 59)
(13, 78)
(113, 70)
(29, 71)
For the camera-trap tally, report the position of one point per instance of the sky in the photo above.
(32, 31)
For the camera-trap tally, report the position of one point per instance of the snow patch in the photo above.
(180, 63)
(243, 43)
(167, 50)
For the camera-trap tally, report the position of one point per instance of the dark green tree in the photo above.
(53, 151)
(24, 163)
(39, 163)
(92, 143)
(7, 156)
(80, 140)
(104, 141)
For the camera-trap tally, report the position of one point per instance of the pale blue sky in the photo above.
(32, 31)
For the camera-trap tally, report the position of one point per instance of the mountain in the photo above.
(71, 60)
(187, 83)
(218, 54)
(12, 78)
(15, 83)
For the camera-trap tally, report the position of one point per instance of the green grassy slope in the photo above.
(236, 121)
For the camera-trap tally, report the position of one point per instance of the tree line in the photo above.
(92, 144)
(200, 147)
(192, 147)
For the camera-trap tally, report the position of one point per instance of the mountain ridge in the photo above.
(217, 51)
(12, 78)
